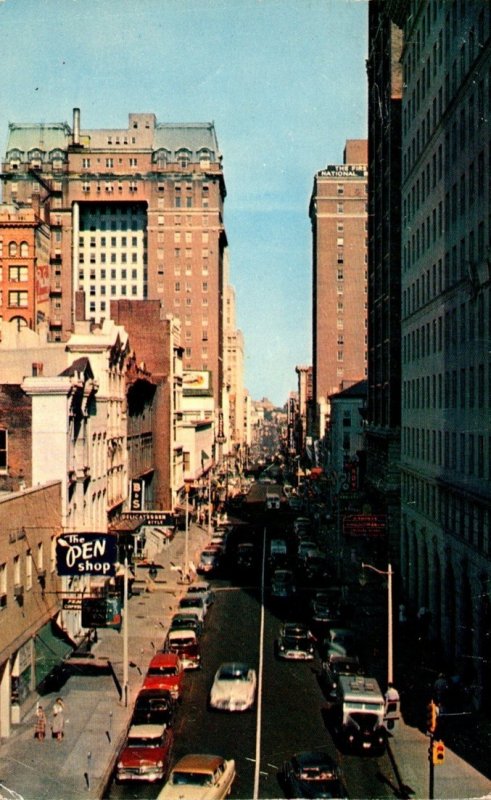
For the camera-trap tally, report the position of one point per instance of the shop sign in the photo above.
(86, 554)
(101, 612)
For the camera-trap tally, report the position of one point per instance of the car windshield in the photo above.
(190, 602)
(316, 774)
(182, 641)
(191, 778)
(162, 671)
(300, 642)
(142, 741)
(233, 674)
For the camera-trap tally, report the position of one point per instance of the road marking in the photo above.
(257, 771)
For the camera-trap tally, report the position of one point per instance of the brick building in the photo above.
(133, 213)
(338, 213)
(24, 270)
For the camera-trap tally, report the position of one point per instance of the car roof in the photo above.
(234, 666)
(148, 694)
(198, 762)
(314, 758)
(164, 659)
(180, 633)
(149, 731)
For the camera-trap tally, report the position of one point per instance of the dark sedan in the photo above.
(153, 707)
(312, 774)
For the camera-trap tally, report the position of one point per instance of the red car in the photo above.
(184, 643)
(165, 671)
(146, 754)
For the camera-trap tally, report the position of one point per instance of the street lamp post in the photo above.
(186, 538)
(390, 643)
(125, 630)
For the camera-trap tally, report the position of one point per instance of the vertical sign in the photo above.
(136, 494)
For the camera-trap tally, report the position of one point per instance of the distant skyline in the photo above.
(284, 82)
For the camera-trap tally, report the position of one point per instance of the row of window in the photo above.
(16, 299)
(462, 260)
(16, 274)
(463, 452)
(461, 516)
(115, 241)
(33, 565)
(115, 258)
(470, 322)
(15, 249)
(464, 388)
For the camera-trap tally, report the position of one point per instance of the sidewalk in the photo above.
(408, 747)
(408, 750)
(96, 719)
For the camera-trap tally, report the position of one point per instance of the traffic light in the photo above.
(431, 716)
(438, 753)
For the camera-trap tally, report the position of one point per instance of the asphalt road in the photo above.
(291, 702)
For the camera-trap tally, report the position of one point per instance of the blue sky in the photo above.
(284, 82)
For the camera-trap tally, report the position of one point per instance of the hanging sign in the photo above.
(86, 554)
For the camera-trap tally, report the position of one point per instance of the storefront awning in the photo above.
(52, 647)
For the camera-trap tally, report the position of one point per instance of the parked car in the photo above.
(307, 549)
(335, 665)
(199, 777)
(195, 605)
(184, 643)
(316, 568)
(295, 643)
(165, 671)
(187, 619)
(312, 774)
(209, 562)
(204, 590)
(145, 755)
(283, 583)
(233, 688)
(324, 609)
(153, 707)
(245, 556)
(339, 639)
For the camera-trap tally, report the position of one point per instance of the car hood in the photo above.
(232, 689)
(142, 756)
(182, 792)
(321, 789)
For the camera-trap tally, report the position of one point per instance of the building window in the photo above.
(18, 299)
(3, 449)
(18, 274)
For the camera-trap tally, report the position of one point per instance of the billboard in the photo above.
(86, 554)
(364, 524)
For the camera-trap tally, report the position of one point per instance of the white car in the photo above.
(199, 777)
(193, 605)
(202, 589)
(234, 687)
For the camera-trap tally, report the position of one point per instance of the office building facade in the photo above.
(338, 214)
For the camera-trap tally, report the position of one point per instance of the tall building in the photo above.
(383, 414)
(134, 213)
(446, 324)
(338, 213)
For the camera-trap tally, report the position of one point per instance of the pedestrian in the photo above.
(391, 699)
(402, 615)
(58, 723)
(440, 688)
(40, 729)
